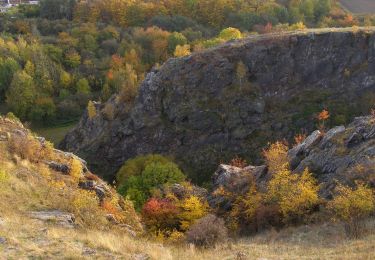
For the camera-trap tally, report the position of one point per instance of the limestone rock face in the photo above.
(199, 111)
(333, 157)
(235, 180)
(343, 155)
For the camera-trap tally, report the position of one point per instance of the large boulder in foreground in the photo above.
(199, 110)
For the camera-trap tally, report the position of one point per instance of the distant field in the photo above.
(54, 134)
(359, 6)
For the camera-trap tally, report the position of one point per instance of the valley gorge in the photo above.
(232, 100)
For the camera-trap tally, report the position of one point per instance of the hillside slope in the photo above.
(46, 190)
(47, 213)
(231, 100)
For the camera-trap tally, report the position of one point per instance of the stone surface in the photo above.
(181, 191)
(194, 108)
(237, 181)
(55, 216)
(344, 155)
(59, 167)
(328, 156)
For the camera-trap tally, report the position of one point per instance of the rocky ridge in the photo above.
(33, 158)
(341, 155)
(201, 111)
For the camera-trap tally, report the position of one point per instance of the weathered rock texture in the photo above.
(200, 111)
(341, 155)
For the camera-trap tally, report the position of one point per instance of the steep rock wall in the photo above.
(199, 110)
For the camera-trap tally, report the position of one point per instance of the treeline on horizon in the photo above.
(57, 56)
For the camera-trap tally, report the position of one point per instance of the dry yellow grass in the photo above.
(26, 186)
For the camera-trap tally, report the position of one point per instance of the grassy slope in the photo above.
(30, 238)
(54, 134)
(27, 189)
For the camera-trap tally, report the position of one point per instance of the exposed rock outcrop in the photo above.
(343, 154)
(55, 216)
(198, 110)
(332, 157)
(237, 181)
(36, 163)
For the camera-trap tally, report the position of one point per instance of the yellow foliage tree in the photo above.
(276, 157)
(351, 206)
(91, 110)
(182, 51)
(245, 207)
(295, 194)
(230, 34)
(65, 79)
(192, 209)
(129, 87)
(75, 169)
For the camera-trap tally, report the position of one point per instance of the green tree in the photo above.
(72, 59)
(8, 67)
(140, 185)
(136, 166)
(174, 40)
(83, 86)
(43, 109)
(57, 9)
(21, 94)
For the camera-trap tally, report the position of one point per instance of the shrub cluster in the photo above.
(142, 176)
(207, 232)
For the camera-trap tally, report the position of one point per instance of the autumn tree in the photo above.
(352, 205)
(295, 194)
(147, 176)
(182, 51)
(83, 86)
(276, 157)
(174, 40)
(21, 94)
(322, 117)
(230, 34)
(191, 209)
(160, 214)
(8, 66)
(91, 110)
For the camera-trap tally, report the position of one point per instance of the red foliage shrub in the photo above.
(160, 214)
(238, 162)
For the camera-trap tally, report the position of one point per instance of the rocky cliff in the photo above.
(341, 155)
(205, 108)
